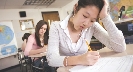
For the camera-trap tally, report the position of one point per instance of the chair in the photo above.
(95, 44)
(23, 61)
(34, 68)
(43, 62)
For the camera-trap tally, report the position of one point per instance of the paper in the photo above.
(108, 64)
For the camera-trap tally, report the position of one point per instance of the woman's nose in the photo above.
(43, 30)
(86, 23)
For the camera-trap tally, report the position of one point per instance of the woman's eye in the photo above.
(85, 16)
(92, 21)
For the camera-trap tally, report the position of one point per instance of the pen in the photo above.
(89, 48)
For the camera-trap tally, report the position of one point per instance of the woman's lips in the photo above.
(81, 27)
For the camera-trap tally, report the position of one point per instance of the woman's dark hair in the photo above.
(46, 37)
(83, 3)
(25, 36)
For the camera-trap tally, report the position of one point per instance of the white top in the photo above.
(74, 46)
(60, 45)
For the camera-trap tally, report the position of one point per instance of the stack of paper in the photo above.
(108, 64)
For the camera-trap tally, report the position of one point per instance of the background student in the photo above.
(37, 43)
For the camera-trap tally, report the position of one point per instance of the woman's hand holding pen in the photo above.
(89, 58)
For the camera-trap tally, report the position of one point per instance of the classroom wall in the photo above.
(13, 15)
(68, 8)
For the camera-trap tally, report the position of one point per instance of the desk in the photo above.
(38, 55)
(105, 52)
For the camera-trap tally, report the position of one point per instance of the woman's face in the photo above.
(85, 17)
(43, 29)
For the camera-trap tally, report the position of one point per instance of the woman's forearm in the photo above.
(36, 51)
(89, 58)
(116, 37)
(72, 60)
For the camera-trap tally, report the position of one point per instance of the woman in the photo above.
(67, 45)
(37, 43)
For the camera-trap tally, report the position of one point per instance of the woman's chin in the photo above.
(79, 29)
(41, 33)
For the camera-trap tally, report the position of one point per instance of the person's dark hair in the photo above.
(46, 37)
(83, 3)
(25, 36)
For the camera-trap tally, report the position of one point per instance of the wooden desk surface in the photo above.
(38, 55)
(105, 52)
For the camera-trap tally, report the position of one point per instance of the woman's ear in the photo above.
(75, 8)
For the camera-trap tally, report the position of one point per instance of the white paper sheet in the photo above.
(107, 64)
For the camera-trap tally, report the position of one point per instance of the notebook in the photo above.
(107, 64)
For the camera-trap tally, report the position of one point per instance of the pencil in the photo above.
(89, 48)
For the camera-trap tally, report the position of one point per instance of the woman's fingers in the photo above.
(94, 53)
(89, 58)
(93, 62)
(95, 57)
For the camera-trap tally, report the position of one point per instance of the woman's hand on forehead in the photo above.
(104, 11)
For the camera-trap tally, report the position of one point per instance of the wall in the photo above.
(13, 15)
(68, 8)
